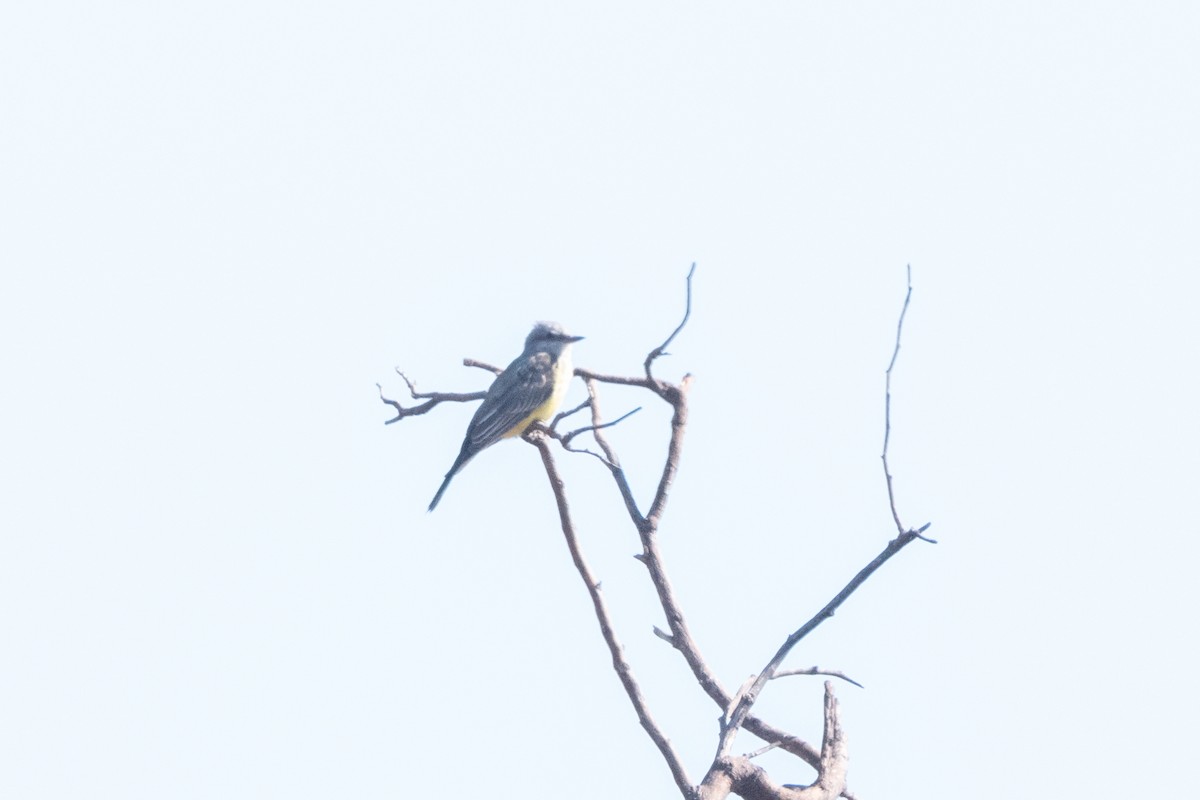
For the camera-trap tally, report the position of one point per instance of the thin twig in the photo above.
(614, 464)
(432, 399)
(560, 416)
(833, 673)
(471, 362)
(887, 411)
(620, 380)
(590, 452)
(661, 350)
(567, 437)
(764, 749)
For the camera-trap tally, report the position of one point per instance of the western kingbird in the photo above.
(529, 391)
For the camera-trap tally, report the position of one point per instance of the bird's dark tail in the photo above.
(464, 456)
(441, 490)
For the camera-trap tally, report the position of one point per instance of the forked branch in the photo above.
(745, 700)
(431, 399)
(741, 776)
(620, 664)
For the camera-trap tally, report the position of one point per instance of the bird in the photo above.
(529, 390)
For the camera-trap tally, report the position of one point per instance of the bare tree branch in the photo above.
(680, 635)
(739, 775)
(661, 350)
(567, 437)
(470, 362)
(887, 410)
(432, 399)
(620, 664)
(560, 416)
(833, 673)
(727, 773)
(620, 380)
(766, 748)
(747, 700)
(729, 730)
(613, 462)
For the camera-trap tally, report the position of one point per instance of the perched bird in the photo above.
(529, 390)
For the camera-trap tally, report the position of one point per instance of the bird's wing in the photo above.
(525, 385)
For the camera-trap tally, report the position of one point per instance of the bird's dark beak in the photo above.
(574, 338)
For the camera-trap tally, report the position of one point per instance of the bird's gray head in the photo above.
(548, 337)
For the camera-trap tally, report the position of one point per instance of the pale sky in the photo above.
(223, 223)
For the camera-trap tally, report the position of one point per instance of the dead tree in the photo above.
(727, 773)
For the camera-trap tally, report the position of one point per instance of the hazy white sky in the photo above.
(223, 223)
